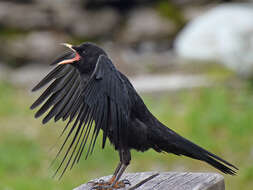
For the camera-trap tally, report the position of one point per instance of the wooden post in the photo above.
(169, 181)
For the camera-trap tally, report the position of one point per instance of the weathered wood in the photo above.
(170, 181)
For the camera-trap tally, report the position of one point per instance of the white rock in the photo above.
(223, 34)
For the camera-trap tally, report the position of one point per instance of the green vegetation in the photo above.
(171, 11)
(219, 119)
(10, 33)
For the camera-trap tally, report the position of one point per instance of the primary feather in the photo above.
(90, 100)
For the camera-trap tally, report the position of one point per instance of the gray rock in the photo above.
(65, 15)
(36, 46)
(24, 16)
(28, 76)
(174, 82)
(146, 23)
(146, 60)
(192, 12)
(223, 34)
(57, 2)
(83, 23)
(98, 23)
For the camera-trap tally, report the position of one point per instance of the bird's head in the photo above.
(84, 57)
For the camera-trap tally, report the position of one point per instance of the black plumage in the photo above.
(87, 89)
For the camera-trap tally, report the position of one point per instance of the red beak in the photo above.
(73, 58)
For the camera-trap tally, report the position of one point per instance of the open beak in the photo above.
(71, 58)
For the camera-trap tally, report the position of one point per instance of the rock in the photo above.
(148, 58)
(96, 23)
(20, 2)
(224, 34)
(201, 2)
(36, 46)
(174, 82)
(23, 16)
(66, 16)
(28, 76)
(192, 12)
(84, 23)
(149, 61)
(58, 2)
(146, 23)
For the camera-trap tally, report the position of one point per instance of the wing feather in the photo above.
(55, 86)
(101, 101)
(57, 72)
(56, 97)
(106, 84)
(62, 104)
(61, 98)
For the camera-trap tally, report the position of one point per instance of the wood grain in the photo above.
(169, 181)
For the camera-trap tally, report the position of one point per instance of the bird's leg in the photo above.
(111, 181)
(99, 184)
(122, 183)
(125, 158)
(114, 182)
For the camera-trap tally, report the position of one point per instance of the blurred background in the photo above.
(191, 60)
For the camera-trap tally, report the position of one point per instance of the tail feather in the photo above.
(192, 150)
(174, 143)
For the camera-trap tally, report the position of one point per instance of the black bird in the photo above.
(88, 90)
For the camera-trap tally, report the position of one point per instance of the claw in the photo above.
(96, 188)
(126, 182)
(101, 181)
(103, 185)
(122, 183)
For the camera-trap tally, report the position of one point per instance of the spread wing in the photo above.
(63, 95)
(101, 101)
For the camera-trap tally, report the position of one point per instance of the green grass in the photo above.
(219, 119)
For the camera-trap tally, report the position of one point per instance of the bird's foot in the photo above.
(122, 184)
(104, 185)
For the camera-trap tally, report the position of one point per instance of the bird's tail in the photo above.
(169, 141)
